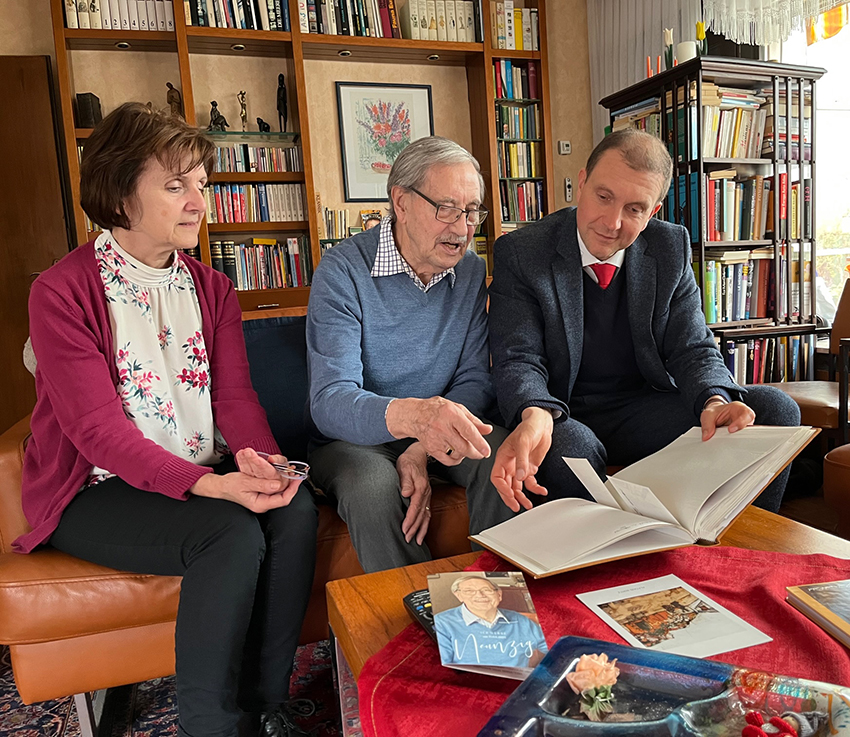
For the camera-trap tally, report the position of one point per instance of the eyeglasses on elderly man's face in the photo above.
(449, 214)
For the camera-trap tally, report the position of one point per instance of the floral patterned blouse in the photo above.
(163, 371)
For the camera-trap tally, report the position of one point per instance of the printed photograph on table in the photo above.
(486, 623)
(666, 614)
(376, 123)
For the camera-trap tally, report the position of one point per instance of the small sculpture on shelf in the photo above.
(263, 126)
(174, 100)
(281, 102)
(217, 121)
(243, 108)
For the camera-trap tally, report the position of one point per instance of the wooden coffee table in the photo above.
(366, 612)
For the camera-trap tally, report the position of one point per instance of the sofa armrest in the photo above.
(12, 520)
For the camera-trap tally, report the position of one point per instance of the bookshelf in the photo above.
(746, 197)
(187, 44)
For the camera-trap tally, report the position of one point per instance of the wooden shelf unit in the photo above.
(786, 83)
(187, 40)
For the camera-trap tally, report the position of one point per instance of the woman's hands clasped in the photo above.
(256, 486)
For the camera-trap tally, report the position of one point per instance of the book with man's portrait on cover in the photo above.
(486, 623)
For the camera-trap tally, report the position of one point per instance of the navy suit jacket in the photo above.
(537, 315)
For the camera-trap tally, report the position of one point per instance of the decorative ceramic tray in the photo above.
(659, 695)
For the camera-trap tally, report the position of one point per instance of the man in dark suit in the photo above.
(600, 347)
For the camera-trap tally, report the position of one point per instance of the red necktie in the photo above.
(604, 273)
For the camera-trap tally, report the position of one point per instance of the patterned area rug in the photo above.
(150, 710)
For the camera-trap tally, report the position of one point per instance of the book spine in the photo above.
(161, 22)
(95, 15)
(228, 262)
(510, 40)
(71, 19)
(83, 18)
(395, 26)
(441, 20)
(451, 20)
(384, 14)
(432, 19)
(169, 15)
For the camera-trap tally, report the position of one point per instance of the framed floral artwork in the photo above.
(376, 122)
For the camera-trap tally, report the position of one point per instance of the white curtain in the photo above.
(762, 22)
(621, 34)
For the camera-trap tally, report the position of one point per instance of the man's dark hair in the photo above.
(641, 152)
(119, 149)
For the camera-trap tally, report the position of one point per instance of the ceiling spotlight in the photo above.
(238, 47)
(122, 45)
(433, 57)
(343, 53)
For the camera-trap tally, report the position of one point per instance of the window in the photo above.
(832, 135)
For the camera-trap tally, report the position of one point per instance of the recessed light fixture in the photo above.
(433, 57)
(238, 47)
(122, 45)
(343, 53)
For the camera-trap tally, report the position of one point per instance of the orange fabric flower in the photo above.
(593, 671)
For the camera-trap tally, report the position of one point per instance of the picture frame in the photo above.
(376, 122)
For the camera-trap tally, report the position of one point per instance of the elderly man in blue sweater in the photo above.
(399, 361)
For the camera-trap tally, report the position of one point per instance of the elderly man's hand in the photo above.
(519, 457)
(447, 431)
(415, 485)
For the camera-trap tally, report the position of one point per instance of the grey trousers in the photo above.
(363, 481)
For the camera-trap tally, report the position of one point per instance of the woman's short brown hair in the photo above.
(119, 149)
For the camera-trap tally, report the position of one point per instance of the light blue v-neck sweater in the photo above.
(370, 340)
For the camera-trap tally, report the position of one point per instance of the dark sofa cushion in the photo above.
(277, 352)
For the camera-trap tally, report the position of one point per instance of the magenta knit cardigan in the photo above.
(78, 420)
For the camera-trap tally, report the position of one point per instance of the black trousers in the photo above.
(246, 584)
(620, 428)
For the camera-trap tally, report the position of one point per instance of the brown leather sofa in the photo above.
(836, 487)
(74, 627)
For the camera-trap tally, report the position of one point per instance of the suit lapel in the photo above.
(641, 274)
(569, 286)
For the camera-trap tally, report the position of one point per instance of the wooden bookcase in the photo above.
(681, 97)
(297, 47)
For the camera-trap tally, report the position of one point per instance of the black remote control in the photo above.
(418, 605)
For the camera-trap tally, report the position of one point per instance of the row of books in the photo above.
(515, 80)
(741, 290)
(733, 133)
(254, 203)
(244, 157)
(519, 159)
(336, 223)
(521, 201)
(428, 20)
(255, 15)
(743, 209)
(739, 210)
(738, 126)
(120, 15)
(435, 20)
(264, 263)
(767, 360)
(514, 26)
(516, 122)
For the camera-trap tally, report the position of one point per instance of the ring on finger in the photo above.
(427, 509)
(450, 451)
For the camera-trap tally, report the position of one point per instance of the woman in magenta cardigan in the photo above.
(146, 429)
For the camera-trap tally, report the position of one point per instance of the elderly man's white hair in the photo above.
(459, 581)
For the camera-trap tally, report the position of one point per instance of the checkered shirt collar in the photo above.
(389, 261)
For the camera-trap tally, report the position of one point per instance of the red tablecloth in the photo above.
(405, 691)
